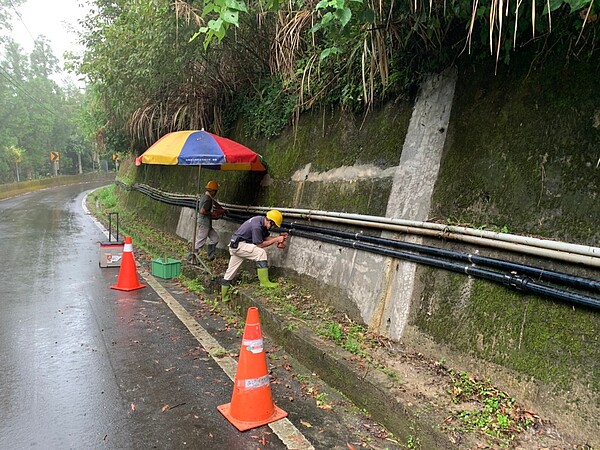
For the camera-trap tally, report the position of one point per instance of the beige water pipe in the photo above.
(564, 251)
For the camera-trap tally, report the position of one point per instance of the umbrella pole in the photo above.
(193, 256)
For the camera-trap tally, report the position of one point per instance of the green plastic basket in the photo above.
(166, 268)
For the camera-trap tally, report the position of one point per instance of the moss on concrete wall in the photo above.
(330, 139)
(327, 140)
(523, 152)
(363, 196)
(551, 341)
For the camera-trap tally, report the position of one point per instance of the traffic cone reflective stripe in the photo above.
(128, 279)
(252, 402)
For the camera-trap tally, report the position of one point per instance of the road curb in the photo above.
(365, 386)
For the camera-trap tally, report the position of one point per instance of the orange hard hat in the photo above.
(212, 185)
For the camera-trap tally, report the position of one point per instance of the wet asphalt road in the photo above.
(83, 366)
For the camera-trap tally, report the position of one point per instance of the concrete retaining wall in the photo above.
(506, 150)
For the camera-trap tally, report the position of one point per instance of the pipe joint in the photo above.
(518, 282)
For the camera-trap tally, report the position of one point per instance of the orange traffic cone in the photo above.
(128, 279)
(251, 403)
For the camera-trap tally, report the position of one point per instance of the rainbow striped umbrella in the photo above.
(201, 148)
(205, 150)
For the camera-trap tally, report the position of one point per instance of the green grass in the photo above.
(490, 411)
(192, 284)
(107, 198)
(350, 336)
(331, 331)
(153, 242)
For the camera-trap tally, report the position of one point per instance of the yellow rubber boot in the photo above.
(263, 277)
(225, 292)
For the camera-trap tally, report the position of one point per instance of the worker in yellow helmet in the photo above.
(208, 210)
(249, 242)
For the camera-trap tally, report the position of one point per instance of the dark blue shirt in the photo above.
(252, 231)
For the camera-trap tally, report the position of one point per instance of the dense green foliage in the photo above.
(37, 116)
(157, 66)
(150, 79)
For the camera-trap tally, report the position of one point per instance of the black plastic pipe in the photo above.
(535, 272)
(344, 239)
(511, 280)
(539, 273)
(157, 195)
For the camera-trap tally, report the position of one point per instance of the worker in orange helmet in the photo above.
(249, 242)
(208, 210)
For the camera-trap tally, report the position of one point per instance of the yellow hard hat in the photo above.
(212, 185)
(275, 216)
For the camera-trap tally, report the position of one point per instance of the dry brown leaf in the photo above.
(306, 424)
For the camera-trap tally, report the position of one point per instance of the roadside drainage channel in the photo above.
(365, 387)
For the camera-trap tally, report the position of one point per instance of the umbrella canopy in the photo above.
(201, 148)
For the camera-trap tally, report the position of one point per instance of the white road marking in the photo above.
(283, 428)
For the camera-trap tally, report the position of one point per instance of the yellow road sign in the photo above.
(54, 156)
